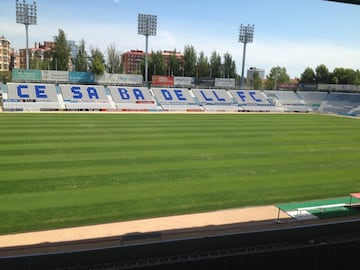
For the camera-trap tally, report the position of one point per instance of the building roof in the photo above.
(135, 52)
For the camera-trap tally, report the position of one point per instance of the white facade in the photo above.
(252, 70)
(5, 54)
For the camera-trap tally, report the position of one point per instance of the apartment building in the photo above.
(15, 59)
(5, 54)
(41, 51)
(132, 60)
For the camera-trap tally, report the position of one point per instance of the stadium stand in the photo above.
(313, 100)
(215, 100)
(133, 99)
(342, 104)
(85, 97)
(289, 100)
(253, 101)
(2, 87)
(30, 97)
(51, 97)
(175, 99)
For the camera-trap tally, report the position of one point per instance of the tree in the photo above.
(61, 52)
(322, 74)
(277, 75)
(257, 82)
(36, 62)
(229, 66)
(344, 76)
(113, 60)
(174, 65)
(202, 68)
(308, 76)
(5, 76)
(215, 65)
(357, 82)
(97, 61)
(190, 61)
(81, 60)
(157, 64)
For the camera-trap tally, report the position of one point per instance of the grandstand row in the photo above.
(67, 97)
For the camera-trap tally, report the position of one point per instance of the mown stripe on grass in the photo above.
(73, 169)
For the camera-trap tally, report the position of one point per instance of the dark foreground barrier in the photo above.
(321, 246)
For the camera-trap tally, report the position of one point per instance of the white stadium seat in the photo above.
(85, 97)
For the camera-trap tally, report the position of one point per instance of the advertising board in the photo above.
(26, 75)
(128, 79)
(184, 81)
(81, 77)
(162, 80)
(55, 75)
(225, 82)
(339, 87)
(287, 86)
(205, 82)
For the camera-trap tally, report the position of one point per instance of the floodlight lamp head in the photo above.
(26, 13)
(246, 33)
(147, 24)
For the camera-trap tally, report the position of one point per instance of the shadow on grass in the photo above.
(336, 212)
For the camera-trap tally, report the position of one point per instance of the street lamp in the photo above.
(246, 35)
(26, 14)
(147, 27)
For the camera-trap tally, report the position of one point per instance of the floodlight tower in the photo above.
(26, 14)
(147, 27)
(246, 36)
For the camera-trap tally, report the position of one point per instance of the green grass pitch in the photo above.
(60, 170)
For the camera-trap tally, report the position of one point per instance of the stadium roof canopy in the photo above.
(356, 2)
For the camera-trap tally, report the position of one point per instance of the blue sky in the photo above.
(288, 33)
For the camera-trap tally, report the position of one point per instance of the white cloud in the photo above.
(295, 56)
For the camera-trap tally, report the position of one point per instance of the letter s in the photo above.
(76, 92)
